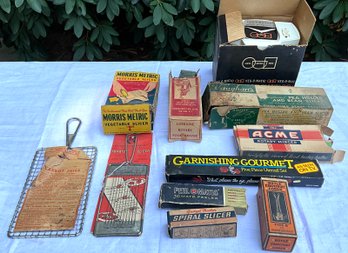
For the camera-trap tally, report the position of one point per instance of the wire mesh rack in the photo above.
(35, 169)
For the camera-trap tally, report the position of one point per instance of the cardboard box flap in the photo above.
(256, 8)
(326, 130)
(234, 28)
(338, 156)
(304, 20)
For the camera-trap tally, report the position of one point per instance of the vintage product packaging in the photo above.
(286, 141)
(239, 59)
(277, 225)
(226, 105)
(131, 103)
(185, 108)
(120, 208)
(202, 223)
(241, 170)
(180, 195)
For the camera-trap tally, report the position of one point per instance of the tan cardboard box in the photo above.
(226, 105)
(185, 109)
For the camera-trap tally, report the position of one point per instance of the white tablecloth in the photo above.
(36, 99)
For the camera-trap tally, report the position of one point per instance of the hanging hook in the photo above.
(71, 136)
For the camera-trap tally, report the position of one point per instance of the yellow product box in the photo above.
(131, 103)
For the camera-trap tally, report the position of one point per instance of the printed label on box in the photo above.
(126, 118)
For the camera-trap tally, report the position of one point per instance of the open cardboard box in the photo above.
(274, 65)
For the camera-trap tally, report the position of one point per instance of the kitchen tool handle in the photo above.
(71, 136)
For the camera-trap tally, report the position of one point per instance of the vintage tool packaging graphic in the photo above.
(131, 103)
(241, 170)
(287, 141)
(202, 223)
(185, 109)
(180, 195)
(277, 226)
(226, 105)
(120, 208)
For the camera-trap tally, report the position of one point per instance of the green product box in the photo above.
(227, 104)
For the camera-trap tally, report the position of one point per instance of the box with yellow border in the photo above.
(131, 103)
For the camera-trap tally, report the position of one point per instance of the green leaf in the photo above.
(79, 53)
(332, 51)
(145, 22)
(191, 52)
(167, 18)
(137, 14)
(160, 33)
(78, 28)
(321, 4)
(169, 8)
(94, 34)
(338, 13)
(210, 49)
(58, 2)
(101, 5)
(40, 28)
(96, 52)
(35, 5)
(157, 15)
(111, 30)
(3, 18)
(345, 26)
(195, 4)
(161, 54)
(90, 53)
(69, 6)
(129, 16)
(149, 31)
(85, 23)
(81, 5)
(174, 44)
(106, 46)
(206, 21)
(328, 9)
(106, 36)
(209, 4)
(180, 5)
(317, 34)
(69, 23)
(5, 5)
(110, 14)
(14, 24)
(18, 3)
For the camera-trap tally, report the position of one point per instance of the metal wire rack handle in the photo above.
(70, 137)
(128, 161)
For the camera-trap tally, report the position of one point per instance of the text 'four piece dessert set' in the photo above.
(279, 130)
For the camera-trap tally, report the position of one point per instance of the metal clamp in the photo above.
(70, 137)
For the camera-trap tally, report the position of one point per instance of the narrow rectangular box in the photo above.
(185, 109)
(131, 103)
(241, 170)
(245, 62)
(277, 225)
(202, 223)
(227, 104)
(286, 141)
(178, 195)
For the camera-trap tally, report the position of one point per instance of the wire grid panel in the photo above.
(35, 169)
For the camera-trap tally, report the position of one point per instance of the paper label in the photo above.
(304, 168)
(122, 119)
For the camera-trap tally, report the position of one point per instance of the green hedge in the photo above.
(170, 29)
